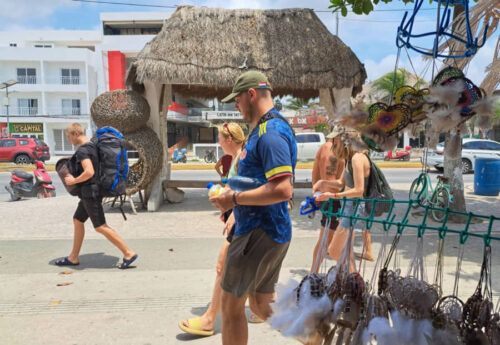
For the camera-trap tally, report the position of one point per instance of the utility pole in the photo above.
(6, 85)
(337, 23)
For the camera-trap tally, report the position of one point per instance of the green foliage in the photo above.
(496, 107)
(359, 7)
(322, 128)
(297, 103)
(388, 83)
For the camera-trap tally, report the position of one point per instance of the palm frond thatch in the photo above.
(492, 79)
(201, 51)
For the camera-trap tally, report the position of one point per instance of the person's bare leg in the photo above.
(79, 234)
(114, 238)
(260, 304)
(208, 318)
(367, 245)
(317, 260)
(234, 321)
(336, 247)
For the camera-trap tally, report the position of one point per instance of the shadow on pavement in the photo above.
(94, 260)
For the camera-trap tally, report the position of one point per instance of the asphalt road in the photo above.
(393, 176)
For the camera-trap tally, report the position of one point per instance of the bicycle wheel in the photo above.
(440, 199)
(418, 190)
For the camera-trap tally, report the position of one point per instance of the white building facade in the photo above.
(56, 80)
(58, 73)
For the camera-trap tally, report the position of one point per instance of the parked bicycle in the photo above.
(439, 197)
(210, 157)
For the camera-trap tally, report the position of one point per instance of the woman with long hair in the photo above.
(353, 182)
(231, 139)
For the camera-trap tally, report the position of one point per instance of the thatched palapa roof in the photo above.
(201, 51)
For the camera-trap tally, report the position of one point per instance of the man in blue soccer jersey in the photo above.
(263, 226)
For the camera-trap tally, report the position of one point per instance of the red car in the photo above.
(23, 150)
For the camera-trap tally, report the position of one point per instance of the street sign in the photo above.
(222, 115)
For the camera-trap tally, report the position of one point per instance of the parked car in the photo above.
(23, 150)
(471, 149)
(308, 144)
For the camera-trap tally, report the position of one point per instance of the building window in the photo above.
(61, 142)
(70, 76)
(13, 44)
(26, 75)
(71, 107)
(27, 106)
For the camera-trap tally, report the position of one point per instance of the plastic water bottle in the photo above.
(214, 189)
(241, 183)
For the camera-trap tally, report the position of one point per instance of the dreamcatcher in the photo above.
(450, 100)
(322, 306)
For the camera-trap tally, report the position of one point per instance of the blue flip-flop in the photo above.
(126, 263)
(65, 262)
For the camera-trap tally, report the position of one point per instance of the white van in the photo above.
(308, 144)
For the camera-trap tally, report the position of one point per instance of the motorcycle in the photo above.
(21, 184)
(210, 157)
(179, 156)
(401, 155)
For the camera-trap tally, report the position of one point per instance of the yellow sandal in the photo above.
(195, 327)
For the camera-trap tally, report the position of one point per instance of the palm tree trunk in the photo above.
(452, 161)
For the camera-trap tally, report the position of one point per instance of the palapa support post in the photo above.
(156, 95)
(337, 102)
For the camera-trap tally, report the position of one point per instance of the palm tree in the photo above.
(297, 103)
(390, 82)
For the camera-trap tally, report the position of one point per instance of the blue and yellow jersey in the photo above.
(270, 152)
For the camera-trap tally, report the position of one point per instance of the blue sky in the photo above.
(371, 37)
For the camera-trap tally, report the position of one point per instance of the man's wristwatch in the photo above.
(234, 199)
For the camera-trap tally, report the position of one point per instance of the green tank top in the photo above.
(232, 170)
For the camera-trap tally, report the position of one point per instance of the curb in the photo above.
(5, 167)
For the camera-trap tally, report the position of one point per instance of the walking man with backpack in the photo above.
(263, 227)
(84, 175)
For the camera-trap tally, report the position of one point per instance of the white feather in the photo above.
(338, 306)
(298, 320)
(404, 327)
(447, 94)
(379, 329)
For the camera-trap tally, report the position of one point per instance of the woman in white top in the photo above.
(231, 139)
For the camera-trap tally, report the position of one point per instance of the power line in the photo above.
(383, 21)
(125, 3)
(175, 6)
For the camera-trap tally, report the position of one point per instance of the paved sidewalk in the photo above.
(173, 279)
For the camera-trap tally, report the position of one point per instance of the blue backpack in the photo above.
(112, 172)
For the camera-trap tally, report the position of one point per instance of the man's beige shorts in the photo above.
(253, 264)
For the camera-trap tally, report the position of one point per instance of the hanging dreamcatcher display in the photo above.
(478, 310)
(469, 44)
(414, 99)
(451, 98)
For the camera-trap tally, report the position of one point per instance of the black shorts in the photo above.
(230, 234)
(253, 264)
(90, 206)
(335, 222)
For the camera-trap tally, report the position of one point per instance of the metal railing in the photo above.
(64, 111)
(31, 79)
(63, 80)
(20, 111)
